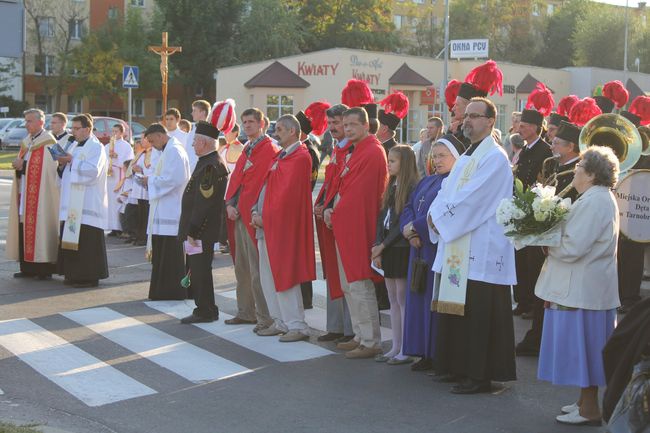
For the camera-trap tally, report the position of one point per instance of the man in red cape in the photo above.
(284, 225)
(339, 326)
(354, 219)
(245, 183)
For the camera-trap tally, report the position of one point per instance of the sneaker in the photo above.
(570, 408)
(363, 352)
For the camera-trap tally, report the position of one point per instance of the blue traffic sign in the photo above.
(130, 77)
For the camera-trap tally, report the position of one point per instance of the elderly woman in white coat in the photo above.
(579, 284)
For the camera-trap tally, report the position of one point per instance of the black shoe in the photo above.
(43, 277)
(85, 284)
(520, 309)
(307, 307)
(471, 386)
(423, 364)
(526, 348)
(22, 275)
(344, 339)
(330, 336)
(192, 318)
(446, 378)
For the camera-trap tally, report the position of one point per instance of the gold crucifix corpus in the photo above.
(164, 51)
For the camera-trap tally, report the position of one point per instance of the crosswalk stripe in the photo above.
(242, 335)
(185, 359)
(317, 317)
(89, 379)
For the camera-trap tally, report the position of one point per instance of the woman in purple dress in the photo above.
(420, 321)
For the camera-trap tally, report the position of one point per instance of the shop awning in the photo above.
(277, 75)
(405, 76)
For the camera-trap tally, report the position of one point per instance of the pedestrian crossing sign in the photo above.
(130, 77)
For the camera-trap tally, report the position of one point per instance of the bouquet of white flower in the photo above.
(532, 217)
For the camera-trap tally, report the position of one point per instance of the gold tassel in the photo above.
(448, 308)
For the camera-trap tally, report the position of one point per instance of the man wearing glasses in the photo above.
(83, 209)
(475, 263)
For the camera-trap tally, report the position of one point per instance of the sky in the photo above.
(631, 3)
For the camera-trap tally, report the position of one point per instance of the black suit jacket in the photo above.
(315, 161)
(393, 237)
(530, 162)
(203, 200)
(389, 144)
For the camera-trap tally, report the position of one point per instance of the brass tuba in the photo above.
(615, 132)
(644, 132)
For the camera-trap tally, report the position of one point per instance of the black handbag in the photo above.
(419, 272)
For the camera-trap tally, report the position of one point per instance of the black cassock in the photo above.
(201, 209)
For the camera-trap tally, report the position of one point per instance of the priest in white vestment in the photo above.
(32, 234)
(474, 264)
(84, 209)
(166, 185)
(118, 150)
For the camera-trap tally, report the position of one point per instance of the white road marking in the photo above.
(89, 379)
(243, 335)
(185, 359)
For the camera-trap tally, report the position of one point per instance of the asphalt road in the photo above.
(106, 360)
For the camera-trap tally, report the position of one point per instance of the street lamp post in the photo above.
(625, 46)
(443, 84)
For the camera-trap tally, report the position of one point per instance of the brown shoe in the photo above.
(239, 321)
(349, 345)
(362, 352)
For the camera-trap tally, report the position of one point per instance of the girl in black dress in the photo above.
(391, 250)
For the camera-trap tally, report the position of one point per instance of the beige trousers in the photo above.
(364, 312)
(286, 308)
(251, 304)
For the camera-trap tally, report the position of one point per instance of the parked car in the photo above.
(138, 130)
(7, 124)
(103, 126)
(14, 136)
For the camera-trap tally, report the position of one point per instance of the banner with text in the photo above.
(469, 48)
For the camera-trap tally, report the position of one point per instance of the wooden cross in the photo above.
(164, 51)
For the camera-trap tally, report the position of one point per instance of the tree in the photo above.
(558, 47)
(54, 26)
(363, 24)
(206, 30)
(277, 22)
(599, 37)
(422, 34)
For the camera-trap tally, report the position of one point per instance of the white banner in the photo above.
(469, 48)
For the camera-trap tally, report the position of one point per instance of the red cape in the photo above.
(326, 236)
(250, 181)
(288, 218)
(354, 219)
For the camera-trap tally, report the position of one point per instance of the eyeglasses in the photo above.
(474, 115)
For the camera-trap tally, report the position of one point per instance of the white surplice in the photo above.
(167, 187)
(89, 171)
(124, 152)
(191, 155)
(472, 208)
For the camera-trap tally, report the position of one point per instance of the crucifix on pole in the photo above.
(164, 51)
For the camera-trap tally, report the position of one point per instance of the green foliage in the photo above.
(277, 23)
(16, 108)
(599, 37)
(363, 24)
(98, 65)
(558, 45)
(205, 29)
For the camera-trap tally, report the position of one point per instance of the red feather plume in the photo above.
(356, 93)
(583, 111)
(616, 92)
(487, 78)
(451, 92)
(316, 112)
(565, 104)
(641, 107)
(396, 103)
(541, 99)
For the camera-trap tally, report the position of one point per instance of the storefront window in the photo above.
(502, 118)
(278, 105)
